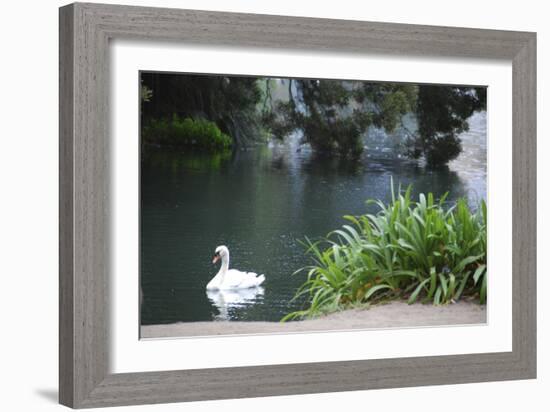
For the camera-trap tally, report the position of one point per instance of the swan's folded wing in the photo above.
(240, 280)
(253, 280)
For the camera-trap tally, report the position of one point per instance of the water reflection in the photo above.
(227, 301)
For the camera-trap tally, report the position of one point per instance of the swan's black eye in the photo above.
(217, 254)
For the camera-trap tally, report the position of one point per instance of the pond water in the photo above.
(261, 203)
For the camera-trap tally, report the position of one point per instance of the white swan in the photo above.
(231, 278)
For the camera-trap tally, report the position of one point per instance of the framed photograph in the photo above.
(257, 205)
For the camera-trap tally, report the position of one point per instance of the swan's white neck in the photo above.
(224, 268)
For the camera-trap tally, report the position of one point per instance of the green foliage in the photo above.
(333, 114)
(442, 113)
(228, 101)
(145, 93)
(177, 132)
(418, 250)
(386, 103)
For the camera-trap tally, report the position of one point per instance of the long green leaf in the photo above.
(414, 295)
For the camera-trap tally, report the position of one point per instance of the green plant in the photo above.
(418, 250)
(188, 132)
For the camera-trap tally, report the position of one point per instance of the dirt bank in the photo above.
(391, 315)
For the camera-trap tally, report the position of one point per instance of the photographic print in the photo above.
(282, 205)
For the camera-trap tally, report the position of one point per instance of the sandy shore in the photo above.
(390, 315)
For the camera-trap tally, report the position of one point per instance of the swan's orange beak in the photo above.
(215, 259)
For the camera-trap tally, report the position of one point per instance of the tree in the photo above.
(442, 113)
(333, 114)
(228, 101)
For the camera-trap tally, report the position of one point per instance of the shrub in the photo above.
(188, 132)
(415, 250)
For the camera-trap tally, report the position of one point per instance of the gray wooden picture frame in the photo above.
(85, 31)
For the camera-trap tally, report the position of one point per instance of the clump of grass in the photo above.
(193, 133)
(418, 250)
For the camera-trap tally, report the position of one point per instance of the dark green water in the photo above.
(260, 203)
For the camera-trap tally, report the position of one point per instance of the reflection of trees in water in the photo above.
(176, 162)
(375, 173)
(305, 167)
(438, 181)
